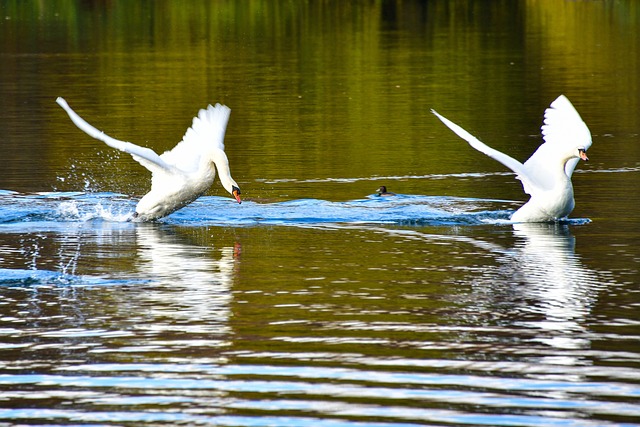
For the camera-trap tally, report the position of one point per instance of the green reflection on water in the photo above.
(322, 91)
(318, 90)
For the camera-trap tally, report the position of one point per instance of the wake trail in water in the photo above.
(437, 176)
(50, 211)
(60, 208)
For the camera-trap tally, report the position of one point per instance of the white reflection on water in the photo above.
(195, 284)
(536, 289)
(553, 275)
(541, 286)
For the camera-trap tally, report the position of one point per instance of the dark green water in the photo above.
(312, 303)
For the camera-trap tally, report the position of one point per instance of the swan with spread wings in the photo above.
(546, 176)
(181, 175)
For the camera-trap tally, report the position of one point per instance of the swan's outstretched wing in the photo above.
(145, 156)
(205, 135)
(562, 126)
(506, 160)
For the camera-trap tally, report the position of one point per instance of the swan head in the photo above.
(231, 186)
(235, 191)
(582, 153)
(566, 153)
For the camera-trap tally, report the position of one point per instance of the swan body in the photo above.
(546, 175)
(183, 174)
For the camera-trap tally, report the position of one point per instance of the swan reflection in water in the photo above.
(562, 288)
(536, 289)
(540, 292)
(166, 289)
(195, 282)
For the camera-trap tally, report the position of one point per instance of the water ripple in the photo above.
(55, 211)
(347, 385)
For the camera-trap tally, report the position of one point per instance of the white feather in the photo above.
(546, 175)
(183, 174)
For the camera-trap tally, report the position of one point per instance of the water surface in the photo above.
(314, 302)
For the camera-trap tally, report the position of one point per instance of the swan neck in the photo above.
(219, 158)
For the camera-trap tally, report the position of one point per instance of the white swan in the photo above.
(183, 174)
(546, 176)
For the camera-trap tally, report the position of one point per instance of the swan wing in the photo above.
(517, 167)
(205, 135)
(562, 126)
(145, 156)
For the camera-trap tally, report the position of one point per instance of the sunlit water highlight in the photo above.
(78, 207)
(189, 301)
(55, 208)
(315, 303)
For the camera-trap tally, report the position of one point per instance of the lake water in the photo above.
(315, 303)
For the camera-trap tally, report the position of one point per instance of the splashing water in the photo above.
(64, 207)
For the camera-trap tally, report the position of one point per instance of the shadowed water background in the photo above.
(315, 303)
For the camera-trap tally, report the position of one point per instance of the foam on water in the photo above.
(77, 216)
(25, 277)
(66, 207)
(18, 208)
(53, 208)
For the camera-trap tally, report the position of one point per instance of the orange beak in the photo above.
(583, 155)
(236, 194)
